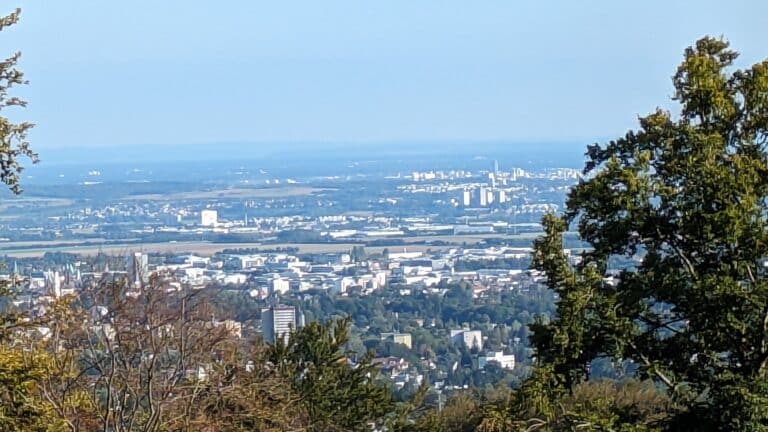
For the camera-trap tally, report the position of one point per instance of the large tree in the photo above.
(153, 358)
(13, 146)
(336, 395)
(13, 136)
(686, 198)
(21, 408)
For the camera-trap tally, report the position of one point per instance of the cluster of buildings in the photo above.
(322, 205)
(269, 274)
(274, 276)
(439, 207)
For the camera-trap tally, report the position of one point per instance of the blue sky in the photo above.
(110, 74)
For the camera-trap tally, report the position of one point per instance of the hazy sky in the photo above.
(116, 73)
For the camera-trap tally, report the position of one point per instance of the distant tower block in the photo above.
(278, 322)
(483, 197)
(138, 267)
(502, 197)
(209, 218)
(466, 198)
(490, 197)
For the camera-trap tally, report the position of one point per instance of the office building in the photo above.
(137, 266)
(209, 218)
(466, 198)
(469, 338)
(502, 196)
(505, 361)
(279, 322)
(399, 338)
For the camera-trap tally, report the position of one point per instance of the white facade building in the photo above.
(279, 285)
(278, 322)
(505, 361)
(469, 338)
(466, 198)
(209, 218)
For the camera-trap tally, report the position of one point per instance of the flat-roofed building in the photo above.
(278, 322)
(209, 218)
(400, 338)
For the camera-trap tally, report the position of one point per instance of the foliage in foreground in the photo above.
(687, 195)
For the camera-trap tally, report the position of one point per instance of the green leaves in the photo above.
(13, 136)
(336, 395)
(685, 196)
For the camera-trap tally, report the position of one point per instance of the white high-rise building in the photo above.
(279, 322)
(483, 197)
(138, 267)
(466, 198)
(209, 218)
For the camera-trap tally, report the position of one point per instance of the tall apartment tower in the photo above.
(279, 322)
(483, 197)
(138, 267)
(466, 198)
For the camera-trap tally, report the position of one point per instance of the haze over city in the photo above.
(122, 74)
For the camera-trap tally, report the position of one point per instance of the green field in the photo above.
(275, 192)
(38, 248)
